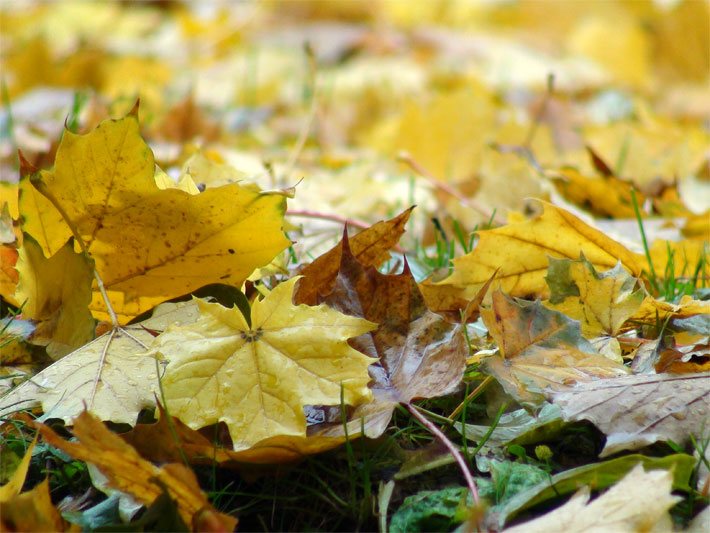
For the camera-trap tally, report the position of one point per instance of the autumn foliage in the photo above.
(220, 277)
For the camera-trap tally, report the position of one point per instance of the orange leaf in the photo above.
(127, 471)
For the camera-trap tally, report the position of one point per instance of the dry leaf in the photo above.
(635, 411)
(160, 443)
(604, 196)
(422, 355)
(129, 472)
(540, 349)
(257, 376)
(112, 376)
(55, 294)
(601, 302)
(624, 507)
(149, 245)
(14, 486)
(31, 511)
(520, 252)
(370, 247)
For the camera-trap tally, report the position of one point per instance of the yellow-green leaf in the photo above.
(602, 303)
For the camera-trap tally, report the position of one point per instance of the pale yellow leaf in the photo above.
(258, 378)
(638, 503)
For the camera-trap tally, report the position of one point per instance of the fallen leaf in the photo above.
(149, 245)
(420, 354)
(129, 472)
(256, 375)
(31, 511)
(597, 476)
(539, 349)
(112, 376)
(14, 486)
(170, 440)
(624, 507)
(653, 310)
(520, 252)
(55, 294)
(604, 196)
(370, 247)
(602, 302)
(635, 411)
(8, 273)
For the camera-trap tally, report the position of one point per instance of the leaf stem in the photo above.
(407, 158)
(474, 394)
(42, 188)
(455, 452)
(305, 213)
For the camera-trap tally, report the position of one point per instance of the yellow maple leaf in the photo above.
(601, 302)
(520, 252)
(256, 375)
(148, 244)
(55, 293)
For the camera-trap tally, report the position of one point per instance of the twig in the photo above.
(537, 120)
(490, 214)
(478, 390)
(327, 216)
(455, 452)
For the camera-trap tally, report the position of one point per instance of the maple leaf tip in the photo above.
(134, 110)
(26, 168)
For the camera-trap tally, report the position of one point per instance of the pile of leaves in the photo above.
(194, 339)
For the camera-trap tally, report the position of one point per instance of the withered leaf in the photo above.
(370, 247)
(421, 354)
(635, 411)
(126, 470)
(540, 349)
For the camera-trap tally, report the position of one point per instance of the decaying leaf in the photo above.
(370, 247)
(55, 294)
(597, 476)
(129, 472)
(159, 442)
(257, 375)
(111, 376)
(540, 349)
(635, 411)
(420, 354)
(520, 253)
(148, 244)
(624, 507)
(602, 302)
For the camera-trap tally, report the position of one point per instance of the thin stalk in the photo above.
(406, 158)
(41, 187)
(455, 452)
(474, 394)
